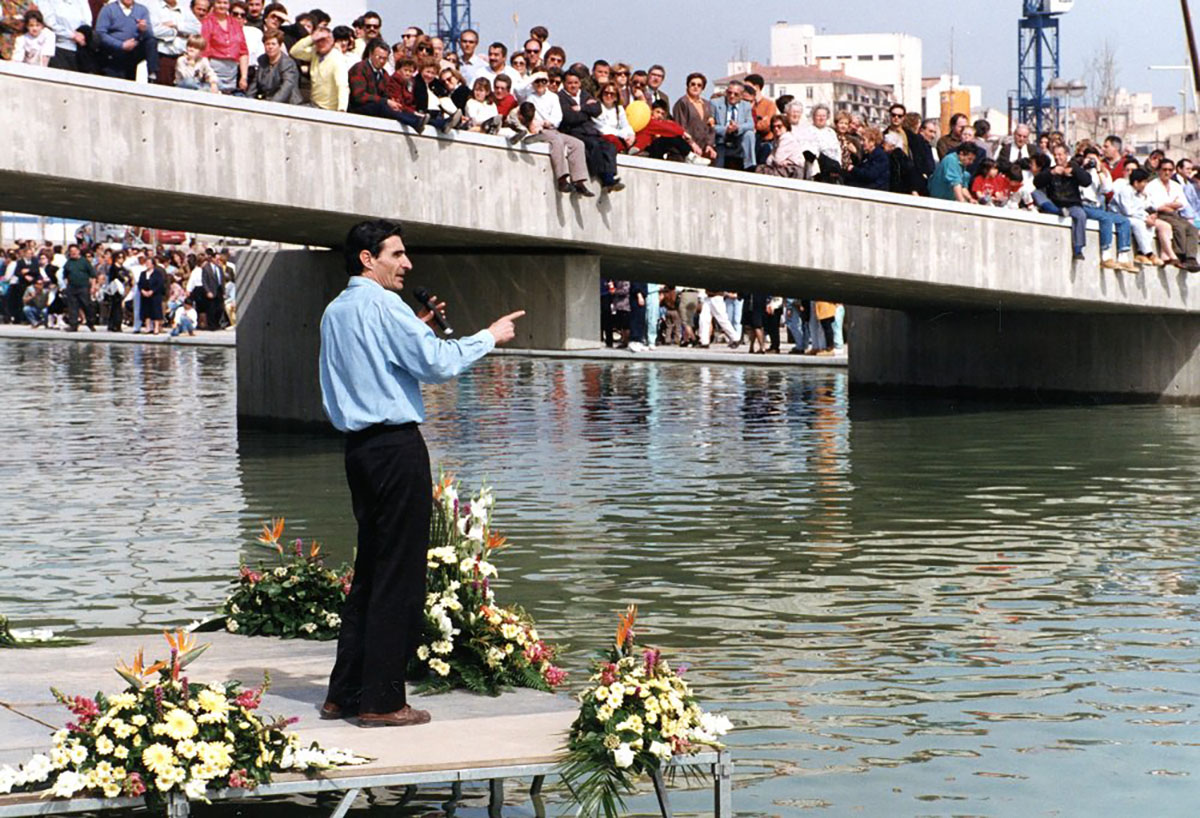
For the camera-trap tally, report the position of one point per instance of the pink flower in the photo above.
(299, 547)
(608, 674)
(651, 657)
(134, 786)
(239, 780)
(554, 676)
(537, 652)
(249, 699)
(252, 577)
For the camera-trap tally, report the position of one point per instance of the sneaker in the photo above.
(637, 346)
(697, 159)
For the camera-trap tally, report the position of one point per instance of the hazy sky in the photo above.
(704, 34)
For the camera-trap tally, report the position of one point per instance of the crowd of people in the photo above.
(638, 316)
(47, 286)
(1147, 212)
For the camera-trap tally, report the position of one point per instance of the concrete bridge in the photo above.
(952, 296)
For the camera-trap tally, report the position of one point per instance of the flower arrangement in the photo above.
(469, 640)
(39, 637)
(635, 716)
(164, 734)
(299, 597)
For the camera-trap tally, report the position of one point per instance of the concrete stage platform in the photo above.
(519, 734)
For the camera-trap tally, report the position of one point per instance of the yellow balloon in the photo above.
(638, 114)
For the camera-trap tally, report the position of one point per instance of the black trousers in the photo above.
(214, 308)
(382, 620)
(79, 298)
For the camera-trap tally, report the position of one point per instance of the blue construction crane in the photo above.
(453, 16)
(1038, 63)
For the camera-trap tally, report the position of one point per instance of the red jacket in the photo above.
(654, 129)
(402, 92)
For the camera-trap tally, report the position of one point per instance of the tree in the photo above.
(1100, 115)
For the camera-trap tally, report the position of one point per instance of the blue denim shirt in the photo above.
(375, 353)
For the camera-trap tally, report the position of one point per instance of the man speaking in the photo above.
(375, 352)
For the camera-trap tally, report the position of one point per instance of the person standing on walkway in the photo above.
(78, 274)
(375, 354)
(212, 281)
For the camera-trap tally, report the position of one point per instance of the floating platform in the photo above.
(517, 735)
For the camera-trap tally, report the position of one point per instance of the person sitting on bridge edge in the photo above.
(276, 78)
(1095, 196)
(1168, 199)
(567, 154)
(951, 180)
(1062, 182)
(328, 70)
(126, 38)
(579, 111)
(369, 83)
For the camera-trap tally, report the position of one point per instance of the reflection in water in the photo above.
(910, 613)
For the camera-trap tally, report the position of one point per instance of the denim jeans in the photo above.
(184, 324)
(733, 309)
(36, 315)
(1108, 220)
(797, 328)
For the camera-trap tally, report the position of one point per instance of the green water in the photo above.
(908, 609)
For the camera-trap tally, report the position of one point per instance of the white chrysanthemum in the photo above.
(280, 572)
(309, 627)
(716, 724)
(67, 784)
(9, 778)
(442, 646)
(231, 625)
(37, 769)
(623, 756)
(423, 652)
(495, 657)
(439, 667)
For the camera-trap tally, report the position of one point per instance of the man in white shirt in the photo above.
(65, 18)
(1130, 200)
(548, 106)
(1167, 198)
(497, 64)
(173, 23)
(469, 63)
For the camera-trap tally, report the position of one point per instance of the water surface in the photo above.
(909, 609)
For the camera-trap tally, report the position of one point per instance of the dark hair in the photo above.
(1138, 175)
(969, 147)
(343, 33)
(274, 7)
(33, 14)
(784, 101)
(540, 32)
(599, 63)
(319, 17)
(526, 112)
(954, 120)
(274, 36)
(986, 165)
(369, 236)
(756, 80)
(374, 43)
(556, 51)
(696, 75)
(503, 48)
(982, 127)
(660, 103)
(554, 74)
(1115, 140)
(374, 14)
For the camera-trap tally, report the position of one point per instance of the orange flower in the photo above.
(184, 650)
(136, 672)
(625, 629)
(440, 488)
(271, 533)
(495, 541)
(314, 550)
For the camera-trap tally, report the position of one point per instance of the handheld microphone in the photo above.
(424, 299)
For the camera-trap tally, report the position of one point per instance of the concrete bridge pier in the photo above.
(282, 294)
(1099, 356)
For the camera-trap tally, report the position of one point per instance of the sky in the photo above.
(703, 34)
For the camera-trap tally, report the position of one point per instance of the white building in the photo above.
(812, 86)
(889, 60)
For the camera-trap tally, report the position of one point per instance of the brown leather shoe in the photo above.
(332, 710)
(404, 717)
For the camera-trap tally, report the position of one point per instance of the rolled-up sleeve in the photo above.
(417, 349)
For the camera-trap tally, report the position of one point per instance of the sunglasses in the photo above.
(371, 26)
(241, 15)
